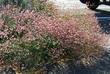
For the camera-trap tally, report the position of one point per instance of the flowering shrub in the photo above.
(69, 40)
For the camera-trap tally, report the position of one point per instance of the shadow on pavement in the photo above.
(104, 20)
(102, 66)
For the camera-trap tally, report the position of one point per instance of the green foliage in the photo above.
(13, 2)
(2, 40)
(26, 4)
(10, 22)
(35, 53)
(38, 5)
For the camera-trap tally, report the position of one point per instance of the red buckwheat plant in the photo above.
(27, 28)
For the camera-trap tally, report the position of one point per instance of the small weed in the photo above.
(10, 22)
